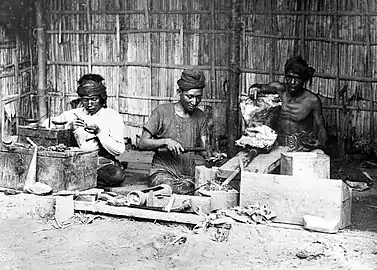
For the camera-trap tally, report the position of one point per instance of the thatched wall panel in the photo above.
(142, 46)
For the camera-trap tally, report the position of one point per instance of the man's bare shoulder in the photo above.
(313, 97)
(278, 85)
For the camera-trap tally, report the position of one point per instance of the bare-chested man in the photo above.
(301, 109)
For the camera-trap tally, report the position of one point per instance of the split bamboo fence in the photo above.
(141, 47)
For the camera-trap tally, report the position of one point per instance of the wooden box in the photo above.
(305, 163)
(46, 136)
(220, 199)
(69, 170)
(292, 197)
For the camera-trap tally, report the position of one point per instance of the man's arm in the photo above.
(270, 88)
(147, 142)
(113, 141)
(319, 120)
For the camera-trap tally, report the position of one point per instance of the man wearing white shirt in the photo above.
(94, 125)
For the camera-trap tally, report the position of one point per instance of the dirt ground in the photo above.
(101, 242)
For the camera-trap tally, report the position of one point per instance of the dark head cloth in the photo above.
(299, 66)
(191, 79)
(90, 84)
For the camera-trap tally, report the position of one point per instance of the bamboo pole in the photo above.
(213, 49)
(117, 26)
(90, 40)
(31, 57)
(271, 44)
(41, 56)
(16, 79)
(146, 104)
(340, 131)
(203, 67)
(139, 31)
(2, 119)
(218, 32)
(233, 119)
(302, 31)
(369, 70)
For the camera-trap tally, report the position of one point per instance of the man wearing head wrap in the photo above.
(175, 126)
(94, 125)
(301, 111)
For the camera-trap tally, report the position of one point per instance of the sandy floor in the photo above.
(113, 243)
(100, 242)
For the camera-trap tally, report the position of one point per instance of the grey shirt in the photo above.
(165, 123)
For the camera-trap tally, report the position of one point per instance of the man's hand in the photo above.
(92, 129)
(253, 91)
(173, 146)
(78, 122)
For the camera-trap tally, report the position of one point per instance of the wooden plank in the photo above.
(102, 208)
(140, 184)
(292, 197)
(137, 156)
(233, 164)
(196, 201)
(266, 163)
(222, 199)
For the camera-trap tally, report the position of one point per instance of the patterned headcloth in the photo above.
(191, 79)
(90, 84)
(299, 66)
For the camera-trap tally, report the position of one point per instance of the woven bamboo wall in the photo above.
(16, 78)
(338, 38)
(141, 48)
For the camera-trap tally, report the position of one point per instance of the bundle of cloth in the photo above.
(260, 117)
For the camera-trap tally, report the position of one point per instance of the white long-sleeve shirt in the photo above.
(110, 124)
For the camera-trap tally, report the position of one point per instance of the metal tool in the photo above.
(169, 206)
(187, 149)
(139, 197)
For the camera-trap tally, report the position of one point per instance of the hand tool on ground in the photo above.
(139, 197)
(31, 176)
(169, 206)
(186, 204)
(187, 149)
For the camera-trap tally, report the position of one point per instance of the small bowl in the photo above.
(7, 140)
(31, 122)
(59, 123)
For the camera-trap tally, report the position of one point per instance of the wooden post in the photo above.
(1, 119)
(89, 26)
(340, 129)
(271, 26)
(117, 27)
(41, 54)
(16, 79)
(233, 119)
(369, 70)
(302, 30)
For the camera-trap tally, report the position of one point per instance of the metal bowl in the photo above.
(59, 123)
(31, 120)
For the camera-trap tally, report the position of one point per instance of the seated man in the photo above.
(301, 109)
(95, 126)
(175, 126)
